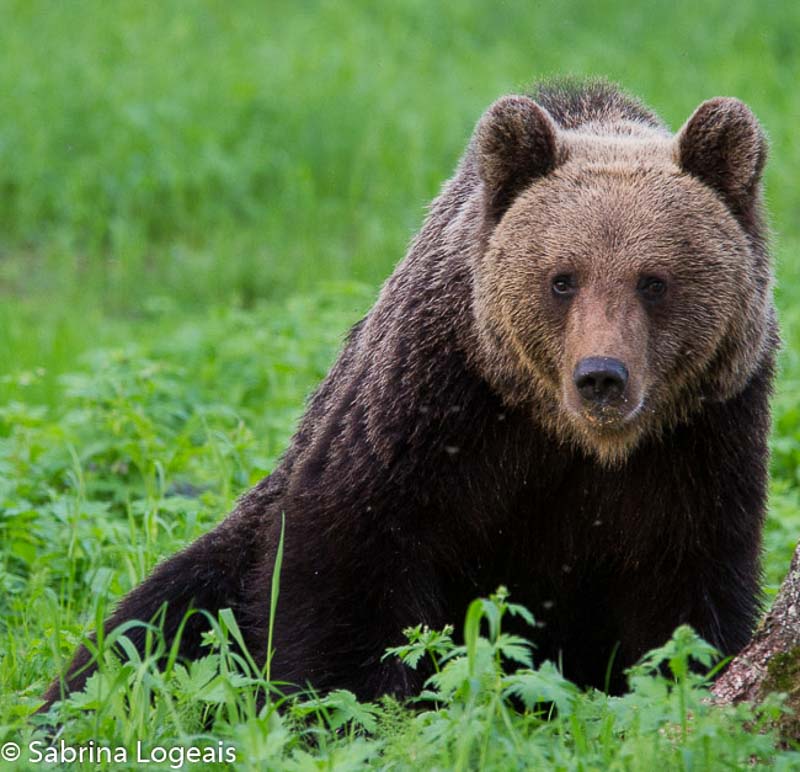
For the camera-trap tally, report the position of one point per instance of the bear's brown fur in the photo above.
(562, 388)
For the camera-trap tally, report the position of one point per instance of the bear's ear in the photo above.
(516, 142)
(723, 145)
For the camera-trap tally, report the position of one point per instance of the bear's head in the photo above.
(624, 279)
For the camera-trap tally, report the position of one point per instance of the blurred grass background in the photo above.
(181, 155)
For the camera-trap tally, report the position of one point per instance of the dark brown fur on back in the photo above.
(573, 103)
(447, 453)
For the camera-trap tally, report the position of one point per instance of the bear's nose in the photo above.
(600, 379)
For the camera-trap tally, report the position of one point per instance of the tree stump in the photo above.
(771, 661)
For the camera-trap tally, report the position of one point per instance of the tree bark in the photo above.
(771, 661)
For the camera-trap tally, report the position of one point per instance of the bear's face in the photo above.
(617, 291)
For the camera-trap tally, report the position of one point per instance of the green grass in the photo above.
(196, 201)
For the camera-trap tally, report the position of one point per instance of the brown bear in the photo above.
(563, 388)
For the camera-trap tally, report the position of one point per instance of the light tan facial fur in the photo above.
(615, 206)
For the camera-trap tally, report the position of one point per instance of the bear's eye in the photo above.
(564, 284)
(652, 287)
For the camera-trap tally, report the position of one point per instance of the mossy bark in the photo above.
(771, 661)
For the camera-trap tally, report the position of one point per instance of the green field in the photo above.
(196, 201)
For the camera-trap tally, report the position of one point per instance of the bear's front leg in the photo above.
(695, 556)
(713, 586)
(717, 593)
